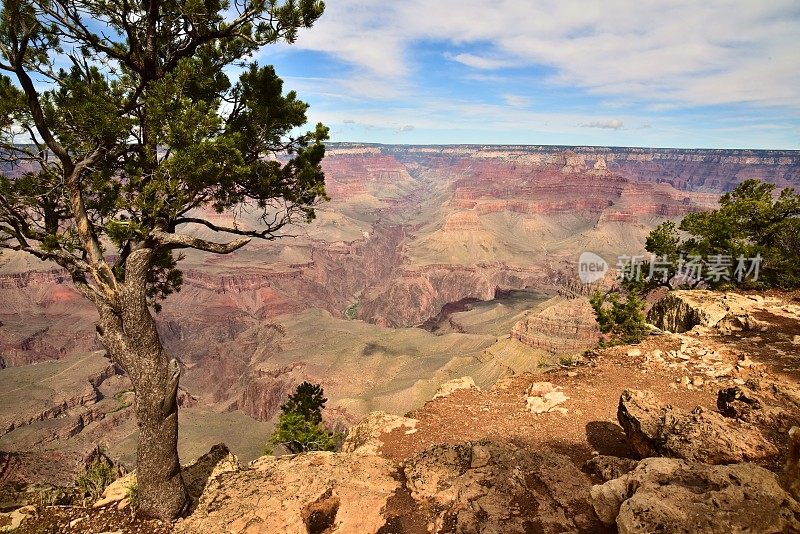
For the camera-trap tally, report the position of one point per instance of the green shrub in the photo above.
(308, 400)
(132, 494)
(95, 479)
(622, 320)
(300, 427)
(567, 361)
(298, 434)
(750, 222)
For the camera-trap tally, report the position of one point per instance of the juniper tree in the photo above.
(123, 127)
(308, 400)
(751, 221)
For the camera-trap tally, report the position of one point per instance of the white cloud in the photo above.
(480, 62)
(659, 52)
(516, 101)
(609, 124)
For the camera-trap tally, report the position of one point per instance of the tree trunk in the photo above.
(129, 333)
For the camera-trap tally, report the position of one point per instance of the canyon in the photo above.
(427, 264)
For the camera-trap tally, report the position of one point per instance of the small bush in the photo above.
(95, 479)
(567, 361)
(132, 494)
(623, 320)
(300, 427)
(298, 434)
(47, 496)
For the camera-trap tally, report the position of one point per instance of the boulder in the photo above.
(743, 403)
(543, 397)
(195, 474)
(117, 491)
(446, 389)
(609, 467)
(365, 436)
(677, 496)
(499, 487)
(213, 463)
(313, 492)
(653, 429)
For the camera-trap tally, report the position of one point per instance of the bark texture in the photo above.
(128, 331)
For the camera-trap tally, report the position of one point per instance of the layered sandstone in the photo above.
(566, 326)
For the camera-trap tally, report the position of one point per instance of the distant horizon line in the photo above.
(545, 145)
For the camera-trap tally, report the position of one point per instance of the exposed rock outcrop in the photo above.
(196, 475)
(680, 311)
(499, 488)
(314, 492)
(745, 404)
(567, 326)
(669, 495)
(364, 437)
(485, 486)
(543, 397)
(654, 429)
(609, 467)
(465, 382)
(791, 471)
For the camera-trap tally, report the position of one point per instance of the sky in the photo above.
(681, 73)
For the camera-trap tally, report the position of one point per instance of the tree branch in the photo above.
(268, 234)
(178, 241)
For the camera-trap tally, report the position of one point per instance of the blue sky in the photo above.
(719, 74)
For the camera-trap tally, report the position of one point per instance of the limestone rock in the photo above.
(215, 462)
(11, 521)
(700, 435)
(116, 491)
(739, 402)
(543, 397)
(196, 475)
(566, 326)
(677, 496)
(365, 436)
(465, 382)
(498, 487)
(682, 310)
(312, 492)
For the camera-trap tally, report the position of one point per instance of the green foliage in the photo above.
(148, 136)
(95, 479)
(749, 222)
(307, 401)
(132, 494)
(300, 427)
(622, 320)
(298, 434)
(352, 311)
(567, 361)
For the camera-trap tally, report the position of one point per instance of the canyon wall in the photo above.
(408, 230)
